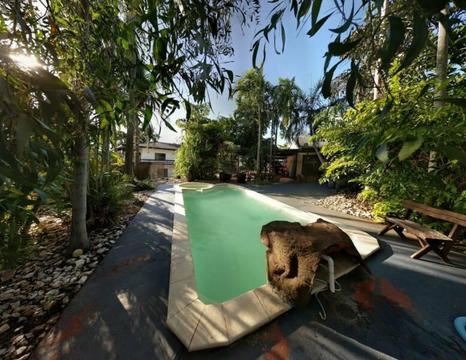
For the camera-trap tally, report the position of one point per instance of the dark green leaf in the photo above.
(264, 55)
(275, 17)
(230, 75)
(168, 125)
(394, 41)
(170, 104)
(315, 11)
(147, 117)
(188, 109)
(350, 85)
(432, 6)
(409, 147)
(327, 83)
(379, 4)
(454, 153)
(160, 49)
(382, 153)
(420, 34)
(346, 25)
(337, 48)
(423, 91)
(386, 109)
(283, 37)
(304, 8)
(460, 3)
(255, 48)
(24, 129)
(455, 101)
(316, 27)
(328, 58)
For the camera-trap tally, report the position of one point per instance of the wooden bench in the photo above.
(428, 238)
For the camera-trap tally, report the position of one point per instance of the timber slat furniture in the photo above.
(429, 239)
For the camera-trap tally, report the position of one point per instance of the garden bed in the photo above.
(348, 204)
(33, 295)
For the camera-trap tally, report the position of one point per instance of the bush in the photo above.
(106, 197)
(241, 178)
(224, 177)
(391, 207)
(386, 150)
(196, 159)
(141, 185)
(17, 213)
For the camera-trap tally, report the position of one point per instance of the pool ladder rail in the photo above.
(331, 272)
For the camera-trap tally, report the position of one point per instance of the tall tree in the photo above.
(87, 46)
(408, 23)
(251, 104)
(442, 71)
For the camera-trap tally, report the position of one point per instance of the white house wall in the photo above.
(149, 154)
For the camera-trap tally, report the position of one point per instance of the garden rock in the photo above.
(346, 203)
(4, 328)
(77, 253)
(6, 275)
(32, 296)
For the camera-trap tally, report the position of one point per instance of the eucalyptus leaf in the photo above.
(420, 35)
(316, 27)
(382, 153)
(395, 39)
(409, 147)
(327, 83)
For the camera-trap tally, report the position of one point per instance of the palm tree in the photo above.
(302, 110)
(252, 104)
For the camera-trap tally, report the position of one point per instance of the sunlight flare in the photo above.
(25, 61)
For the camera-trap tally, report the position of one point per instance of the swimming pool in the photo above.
(218, 289)
(224, 225)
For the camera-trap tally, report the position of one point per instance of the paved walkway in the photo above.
(403, 309)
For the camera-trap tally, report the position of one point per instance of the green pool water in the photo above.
(224, 225)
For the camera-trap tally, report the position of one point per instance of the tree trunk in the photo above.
(441, 68)
(80, 159)
(272, 132)
(137, 157)
(319, 155)
(79, 239)
(106, 148)
(129, 146)
(377, 82)
(259, 140)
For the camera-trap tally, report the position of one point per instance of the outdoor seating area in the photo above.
(429, 239)
(232, 179)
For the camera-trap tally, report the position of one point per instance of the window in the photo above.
(160, 157)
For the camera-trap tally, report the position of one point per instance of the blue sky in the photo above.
(302, 59)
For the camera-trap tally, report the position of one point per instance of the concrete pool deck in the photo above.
(402, 309)
(201, 326)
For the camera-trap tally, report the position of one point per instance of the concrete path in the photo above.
(403, 309)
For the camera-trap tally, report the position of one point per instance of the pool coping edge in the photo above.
(201, 326)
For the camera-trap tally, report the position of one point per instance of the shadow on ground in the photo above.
(403, 308)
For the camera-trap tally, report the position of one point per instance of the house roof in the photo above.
(160, 145)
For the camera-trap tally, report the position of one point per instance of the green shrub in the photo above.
(196, 159)
(382, 208)
(106, 197)
(17, 213)
(386, 148)
(368, 195)
(141, 185)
